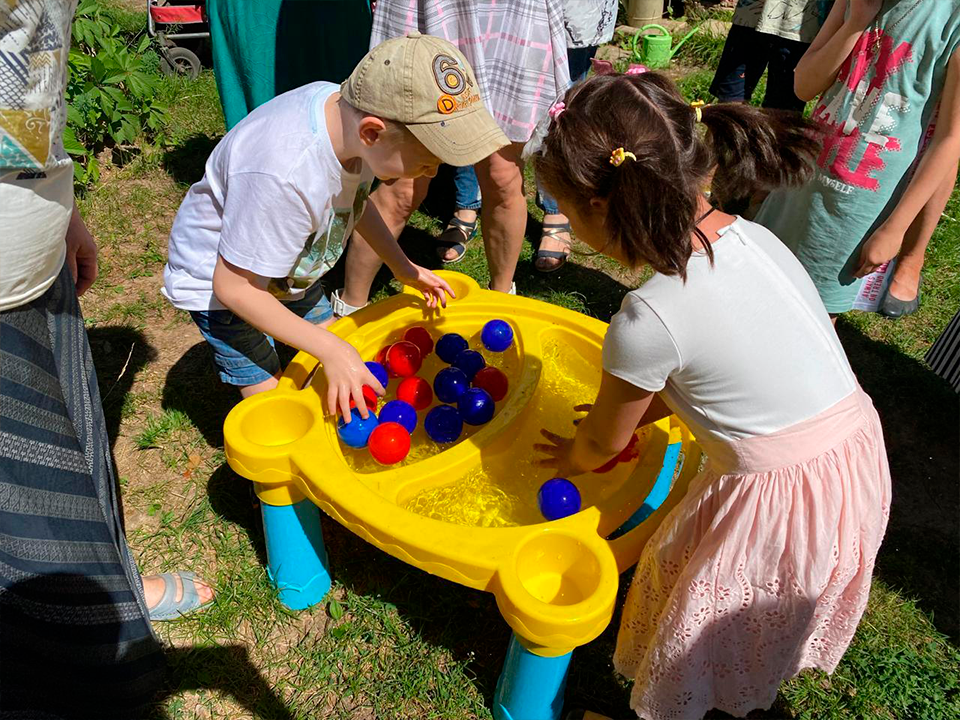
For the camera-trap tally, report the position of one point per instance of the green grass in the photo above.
(703, 48)
(395, 642)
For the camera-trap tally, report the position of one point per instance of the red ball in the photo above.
(493, 381)
(370, 398)
(382, 359)
(404, 359)
(420, 337)
(416, 391)
(389, 443)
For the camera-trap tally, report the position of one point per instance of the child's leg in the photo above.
(906, 276)
(244, 356)
(741, 57)
(396, 202)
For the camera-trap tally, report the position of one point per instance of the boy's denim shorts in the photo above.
(243, 354)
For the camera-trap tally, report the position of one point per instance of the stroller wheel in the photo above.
(179, 61)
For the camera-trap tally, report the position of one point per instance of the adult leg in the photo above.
(906, 276)
(504, 213)
(396, 201)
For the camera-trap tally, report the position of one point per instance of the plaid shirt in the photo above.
(518, 49)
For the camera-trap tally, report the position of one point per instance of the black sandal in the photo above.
(456, 236)
(552, 230)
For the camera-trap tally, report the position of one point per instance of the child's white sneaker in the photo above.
(513, 289)
(340, 308)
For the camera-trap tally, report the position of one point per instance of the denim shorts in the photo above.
(244, 355)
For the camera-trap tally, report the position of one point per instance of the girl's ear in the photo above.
(369, 129)
(599, 205)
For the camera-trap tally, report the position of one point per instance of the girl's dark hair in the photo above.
(653, 201)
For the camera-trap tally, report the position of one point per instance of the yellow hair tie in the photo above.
(619, 155)
(696, 105)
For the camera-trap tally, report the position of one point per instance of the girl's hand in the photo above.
(882, 246)
(346, 375)
(862, 12)
(559, 454)
(586, 407)
(431, 285)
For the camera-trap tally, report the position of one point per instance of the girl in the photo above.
(883, 67)
(764, 567)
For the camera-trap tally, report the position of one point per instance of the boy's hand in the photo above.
(431, 285)
(346, 376)
(882, 246)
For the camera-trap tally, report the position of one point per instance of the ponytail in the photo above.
(757, 150)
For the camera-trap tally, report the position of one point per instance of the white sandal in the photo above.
(340, 308)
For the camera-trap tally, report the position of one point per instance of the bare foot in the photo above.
(467, 216)
(153, 590)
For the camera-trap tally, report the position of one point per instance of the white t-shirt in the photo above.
(744, 348)
(273, 200)
(36, 174)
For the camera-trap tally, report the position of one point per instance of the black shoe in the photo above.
(893, 307)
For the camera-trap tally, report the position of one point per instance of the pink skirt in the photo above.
(763, 569)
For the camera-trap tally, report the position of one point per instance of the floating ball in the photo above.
(381, 357)
(493, 381)
(389, 443)
(443, 424)
(416, 391)
(403, 358)
(471, 362)
(356, 433)
(476, 406)
(497, 335)
(420, 337)
(449, 384)
(400, 412)
(379, 372)
(370, 398)
(558, 498)
(451, 345)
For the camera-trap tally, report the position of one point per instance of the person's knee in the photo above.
(501, 178)
(397, 200)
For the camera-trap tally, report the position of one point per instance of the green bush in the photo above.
(111, 94)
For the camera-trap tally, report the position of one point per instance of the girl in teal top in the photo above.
(884, 67)
(262, 48)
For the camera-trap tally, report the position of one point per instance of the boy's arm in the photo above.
(820, 64)
(246, 294)
(938, 160)
(605, 431)
(379, 237)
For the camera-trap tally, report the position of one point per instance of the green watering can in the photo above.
(657, 49)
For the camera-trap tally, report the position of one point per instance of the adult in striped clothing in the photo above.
(518, 51)
(75, 634)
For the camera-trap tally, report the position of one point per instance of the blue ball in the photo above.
(358, 431)
(471, 362)
(476, 406)
(449, 384)
(443, 424)
(497, 335)
(379, 372)
(449, 346)
(400, 412)
(558, 498)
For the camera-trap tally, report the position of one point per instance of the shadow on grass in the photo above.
(920, 415)
(185, 161)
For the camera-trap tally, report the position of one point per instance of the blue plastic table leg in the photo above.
(530, 686)
(658, 493)
(296, 557)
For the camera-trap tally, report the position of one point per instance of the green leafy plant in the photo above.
(112, 91)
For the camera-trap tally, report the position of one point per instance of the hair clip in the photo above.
(555, 110)
(637, 70)
(696, 105)
(619, 155)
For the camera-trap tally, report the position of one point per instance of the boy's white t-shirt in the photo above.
(274, 200)
(744, 348)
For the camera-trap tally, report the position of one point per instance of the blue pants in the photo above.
(465, 178)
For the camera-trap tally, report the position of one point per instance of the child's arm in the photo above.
(375, 231)
(938, 160)
(620, 407)
(820, 64)
(246, 294)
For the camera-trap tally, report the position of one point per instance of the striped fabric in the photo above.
(518, 49)
(75, 641)
(944, 356)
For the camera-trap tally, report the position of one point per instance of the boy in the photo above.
(288, 184)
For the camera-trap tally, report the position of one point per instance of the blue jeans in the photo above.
(244, 355)
(465, 178)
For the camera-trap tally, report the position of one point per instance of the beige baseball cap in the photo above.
(426, 84)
